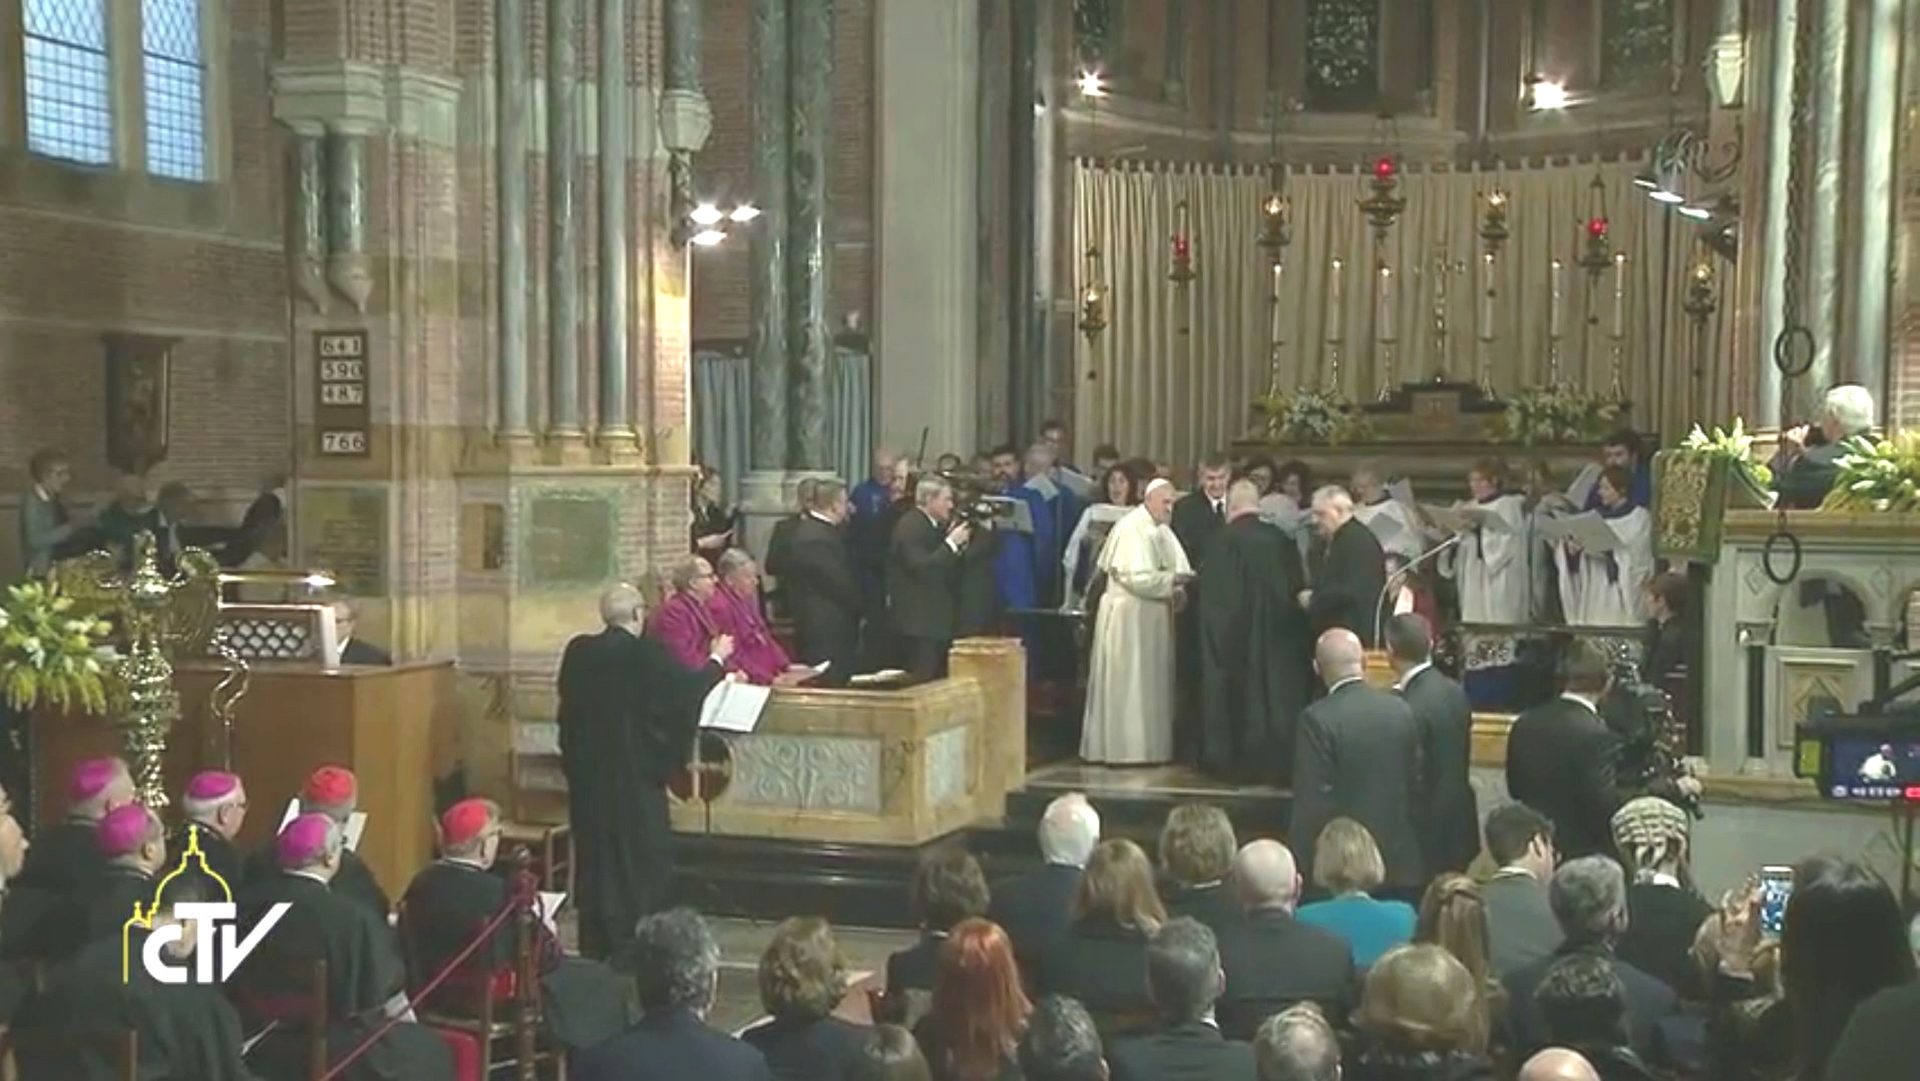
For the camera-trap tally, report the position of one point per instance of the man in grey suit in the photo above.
(1519, 918)
(45, 522)
(1449, 817)
(1357, 755)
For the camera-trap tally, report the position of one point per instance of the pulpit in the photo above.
(394, 727)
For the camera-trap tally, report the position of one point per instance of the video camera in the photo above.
(1652, 756)
(978, 503)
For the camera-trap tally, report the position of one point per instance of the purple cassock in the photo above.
(682, 625)
(756, 653)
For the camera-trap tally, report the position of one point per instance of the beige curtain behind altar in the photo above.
(1173, 373)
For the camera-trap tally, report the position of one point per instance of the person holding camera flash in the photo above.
(923, 571)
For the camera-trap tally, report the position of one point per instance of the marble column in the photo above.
(1029, 379)
(307, 254)
(616, 427)
(1879, 39)
(809, 254)
(1820, 250)
(510, 116)
(349, 267)
(767, 282)
(1778, 209)
(563, 226)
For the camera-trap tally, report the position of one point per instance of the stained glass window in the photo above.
(175, 80)
(68, 81)
(1636, 42)
(1343, 54)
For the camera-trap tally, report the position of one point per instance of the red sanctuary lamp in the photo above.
(1385, 169)
(1599, 254)
(1383, 205)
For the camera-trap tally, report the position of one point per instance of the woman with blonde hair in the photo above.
(1347, 863)
(979, 1011)
(1453, 916)
(1197, 847)
(1102, 959)
(1420, 1020)
(803, 977)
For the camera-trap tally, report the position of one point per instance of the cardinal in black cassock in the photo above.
(366, 978)
(1255, 644)
(453, 899)
(184, 1030)
(628, 714)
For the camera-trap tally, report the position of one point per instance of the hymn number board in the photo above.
(341, 414)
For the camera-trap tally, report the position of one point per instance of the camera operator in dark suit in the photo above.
(923, 571)
(821, 584)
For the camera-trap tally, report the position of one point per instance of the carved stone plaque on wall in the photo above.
(567, 540)
(343, 530)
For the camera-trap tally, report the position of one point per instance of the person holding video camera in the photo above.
(923, 572)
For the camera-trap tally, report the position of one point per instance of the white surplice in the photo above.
(1490, 566)
(1393, 526)
(1604, 589)
(1089, 536)
(1130, 697)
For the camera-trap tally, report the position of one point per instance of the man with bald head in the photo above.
(628, 711)
(1272, 960)
(1347, 565)
(1357, 755)
(1558, 1064)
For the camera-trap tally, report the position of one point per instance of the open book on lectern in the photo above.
(733, 706)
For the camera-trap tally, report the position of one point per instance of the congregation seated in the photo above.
(1346, 864)
(133, 841)
(802, 979)
(1558, 1064)
(1583, 1005)
(64, 858)
(1036, 908)
(334, 791)
(451, 901)
(1664, 913)
(213, 808)
(979, 1009)
(1184, 979)
(1270, 958)
(1419, 1020)
(676, 971)
(1196, 859)
(1101, 960)
(1453, 916)
(948, 886)
(1061, 1043)
(1520, 925)
(1297, 1044)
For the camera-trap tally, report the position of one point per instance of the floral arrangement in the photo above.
(1882, 474)
(49, 652)
(1312, 416)
(1735, 446)
(1561, 414)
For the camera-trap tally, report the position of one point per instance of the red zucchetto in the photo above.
(466, 820)
(330, 786)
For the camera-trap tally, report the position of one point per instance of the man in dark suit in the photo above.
(1450, 823)
(354, 650)
(923, 568)
(780, 541)
(1036, 908)
(628, 713)
(1199, 514)
(1589, 898)
(1802, 474)
(1357, 755)
(1562, 758)
(1061, 1043)
(1184, 978)
(676, 965)
(1520, 924)
(821, 585)
(1350, 570)
(1272, 960)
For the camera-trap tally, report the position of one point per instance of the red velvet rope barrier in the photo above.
(520, 899)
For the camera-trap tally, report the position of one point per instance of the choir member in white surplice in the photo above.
(1391, 519)
(1130, 685)
(1490, 562)
(1607, 588)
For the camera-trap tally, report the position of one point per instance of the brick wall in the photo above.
(720, 274)
(82, 253)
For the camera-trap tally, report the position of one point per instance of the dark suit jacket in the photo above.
(1273, 961)
(1648, 1001)
(1661, 924)
(1213, 905)
(1104, 965)
(914, 966)
(1347, 580)
(819, 1049)
(780, 547)
(1449, 818)
(1191, 1051)
(1880, 1039)
(1561, 761)
(1194, 523)
(1806, 482)
(1520, 924)
(360, 651)
(922, 578)
(670, 1045)
(822, 592)
(1035, 909)
(1357, 755)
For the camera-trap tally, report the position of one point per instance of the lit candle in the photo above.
(1553, 299)
(1386, 304)
(1273, 302)
(1620, 295)
(1486, 297)
(1336, 302)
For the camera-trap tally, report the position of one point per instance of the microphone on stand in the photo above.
(1399, 576)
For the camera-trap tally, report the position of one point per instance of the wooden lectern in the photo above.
(394, 727)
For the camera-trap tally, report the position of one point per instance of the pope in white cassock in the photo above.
(1607, 588)
(1489, 564)
(1130, 698)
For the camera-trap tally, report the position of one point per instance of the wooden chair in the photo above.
(536, 805)
(33, 1055)
(307, 1012)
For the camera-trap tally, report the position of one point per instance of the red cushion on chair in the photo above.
(466, 1053)
(463, 990)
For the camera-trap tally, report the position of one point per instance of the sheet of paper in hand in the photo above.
(356, 824)
(1590, 531)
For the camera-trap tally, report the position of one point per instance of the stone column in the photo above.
(685, 122)
(809, 255)
(307, 250)
(1778, 208)
(511, 106)
(1029, 368)
(1879, 39)
(768, 281)
(563, 227)
(349, 268)
(616, 429)
(1827, 97)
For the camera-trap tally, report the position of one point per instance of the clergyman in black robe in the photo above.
(1197, 517)
(628, 715)
(1255, 646)
(1350, 571)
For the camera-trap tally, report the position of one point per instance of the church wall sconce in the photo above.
(1276, 224)
(1493, 220)
(1093, 295)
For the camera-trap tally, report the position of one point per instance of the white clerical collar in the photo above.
(1350, 679)
(817, 516)
(1515, 872)
(1572, 696)
(1661, 878)
(463, 861)
(315, 876)
(1412, 672)
(41, 493)
(930, 517)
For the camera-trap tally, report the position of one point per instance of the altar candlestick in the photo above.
(1336, 303)
(1273, 300)
(1620, 295)
(1386, 304)
(1486, 297)
(1554, 282)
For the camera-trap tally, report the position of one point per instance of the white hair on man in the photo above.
(1069, 830)
(732, 560)
(682, 572)
(930, 489)
(1297, 1044)
(1266, 875)
(1850, 407)
(1243, 495)
(622, 606)
(1334, 496)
